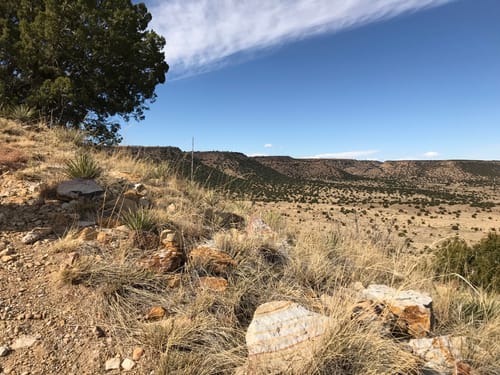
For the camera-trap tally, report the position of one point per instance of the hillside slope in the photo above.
(344, 169)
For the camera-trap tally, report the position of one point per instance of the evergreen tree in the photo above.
(80, 63)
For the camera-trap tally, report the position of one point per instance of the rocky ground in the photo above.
(46, 327)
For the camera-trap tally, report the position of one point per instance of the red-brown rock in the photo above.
(156, 312)
(165, 260)
(216, 284)
(211, 260)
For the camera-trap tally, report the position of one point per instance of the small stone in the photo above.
(112, 364)
(7, 258)
(174, 281)
(103, 237)
(217, 284)
(128, 364)
(358, 286)
(156, 312)
(35, 235)
(170, 237)
(165, 260)
(137, 353)
(99, 332)
(23, 342)
(4, 351)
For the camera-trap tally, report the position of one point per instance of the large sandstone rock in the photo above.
(78, 188)
(281, 336)
(211, 260)
(404, 312)
(442, 355)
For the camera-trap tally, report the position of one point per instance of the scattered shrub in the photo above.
(480, 264)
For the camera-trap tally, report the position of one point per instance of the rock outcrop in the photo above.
(402, 313)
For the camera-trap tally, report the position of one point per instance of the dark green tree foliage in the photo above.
(80, 63)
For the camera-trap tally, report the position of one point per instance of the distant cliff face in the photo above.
(284, 168)
(338, 169)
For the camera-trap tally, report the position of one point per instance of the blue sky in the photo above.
(367, 79)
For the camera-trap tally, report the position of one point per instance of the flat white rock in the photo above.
(282, 332)
(23, 342)
(402, 297)
(78, 187)
(112, 364)
(128, 364)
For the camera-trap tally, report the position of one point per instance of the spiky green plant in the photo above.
(140, 220)
(22, 112)
(82, 166)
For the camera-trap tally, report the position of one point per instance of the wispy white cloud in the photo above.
(268, 145)
(345, 155)
(256, 154)
(201, 34)
(431, 154)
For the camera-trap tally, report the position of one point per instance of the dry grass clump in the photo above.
(67, 243)
(350, 348)
(10, 130)
(196, 345)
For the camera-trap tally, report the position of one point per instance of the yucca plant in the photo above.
(82, 166)
(140, 220)
(22, 112)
